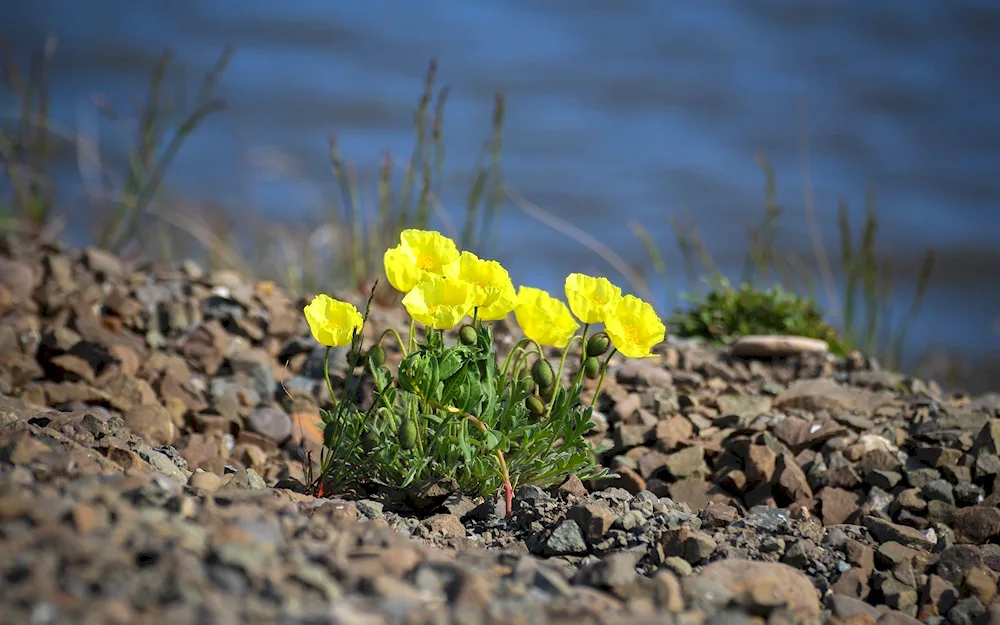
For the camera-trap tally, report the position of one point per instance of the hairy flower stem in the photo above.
(398, 340)
(326, 374)
(600, 380)
(518, 349)
(410, 339)
(558, 379)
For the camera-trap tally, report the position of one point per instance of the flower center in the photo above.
(632, 333)
(334, 325)
(426, 262)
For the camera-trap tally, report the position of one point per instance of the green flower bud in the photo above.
(535, 406)
(591, 368)
(467, 335)
(541, 372)
(377, 355)
(369, 441)
(597, 344)
(407, 434)
(526, 383)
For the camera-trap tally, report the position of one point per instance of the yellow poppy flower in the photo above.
(634, 327)
(489, 280)
(332, 322)
(590, 298)
(439, 302)
(505, 302)
(420, 255)
(543, 318)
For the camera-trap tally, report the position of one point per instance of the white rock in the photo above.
(776, 345)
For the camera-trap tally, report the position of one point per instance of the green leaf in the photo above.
(492, 440)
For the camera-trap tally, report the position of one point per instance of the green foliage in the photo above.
(862, 316)
(453, 411)
(727, 313)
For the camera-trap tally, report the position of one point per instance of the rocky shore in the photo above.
(154, 422)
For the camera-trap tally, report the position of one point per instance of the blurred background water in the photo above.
(636, 109)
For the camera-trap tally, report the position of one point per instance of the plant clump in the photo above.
(454, 409)
(726, 313)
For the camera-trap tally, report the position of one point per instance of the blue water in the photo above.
(637, 109)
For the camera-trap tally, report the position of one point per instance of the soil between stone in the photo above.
(153, 421)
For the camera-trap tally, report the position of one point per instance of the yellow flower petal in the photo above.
(420, 255)
(439, 302)
(332, 323)
(543, 318)
(634, 327)
(490, 282)
(505, 302)
(591, 298)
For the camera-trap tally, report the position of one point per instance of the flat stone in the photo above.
(884, 532)
(819, 394)
(760, 346)
(566, 539)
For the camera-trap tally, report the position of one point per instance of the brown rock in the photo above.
(152, 422)
(593, 519)
(650, 463)
(791, 482)
(852, 583)
(800, 434)
(667, 592)
(128, 360)
(572, 488)
(127, 391)
(72, 368)
(818, 394)
(673, 431)
(976, 525)
(697, 493)
(939, 594)
(861, 556)
(760, 346)
(836, 505)
(766, 585)
(981, 583)
(57, 394)
(626, 406)
(760, 465)
(447, 525)
(205, 481)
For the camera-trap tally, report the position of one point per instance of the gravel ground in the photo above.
(153, 421)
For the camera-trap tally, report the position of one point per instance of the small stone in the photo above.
(846, 607)
(976, 524)
(884, 532)
(940, 594)
(765, 585)
(885, 480)
(566, 539)
(939, 490)
(981, 583)
(153, 422)
(572, 488)
(245, 479)
(851, 583)
(678, 566)
(270, 422)
(447, 525)
(615, 571)
(758, 346)
(667, 591)
(965, 611)
(593, 519)
(687, 462)
(836, 505)
(205, 481)
(958, 560)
